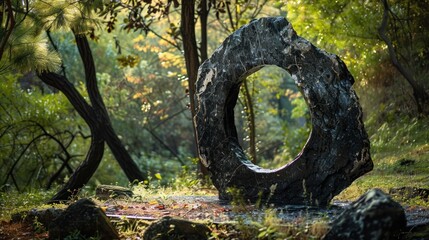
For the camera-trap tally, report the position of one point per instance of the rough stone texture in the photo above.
(84, 217)
(43, 216)
(111, 191)
(373, 216)
(172, 228)
(337, 151)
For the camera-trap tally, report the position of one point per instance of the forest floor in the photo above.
(132, 216)
(400, 153)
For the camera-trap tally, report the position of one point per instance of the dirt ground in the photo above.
(195, 208)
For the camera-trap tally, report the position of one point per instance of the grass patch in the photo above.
(12, 202)
(400, 152)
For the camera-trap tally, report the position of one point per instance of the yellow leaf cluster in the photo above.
(133, 79)
(168, 60)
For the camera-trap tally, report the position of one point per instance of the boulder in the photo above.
(43, 216)
(373, 216)
(110, 191)
(337, 151)
(173, 228)
(84, 219)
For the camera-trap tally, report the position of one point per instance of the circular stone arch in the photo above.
(337, 150)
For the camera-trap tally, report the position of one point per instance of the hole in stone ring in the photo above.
(271, 117)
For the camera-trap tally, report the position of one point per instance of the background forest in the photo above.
(108, 85)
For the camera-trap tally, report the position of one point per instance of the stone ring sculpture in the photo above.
(337, 150)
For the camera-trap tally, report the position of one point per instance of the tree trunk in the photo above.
(86, 169)
(98, 120)
(204, 13)
(250, 115)
(130, 168)
(421, 97)
(9, 26)
(95, 153)
(190, 48)
(124, 159)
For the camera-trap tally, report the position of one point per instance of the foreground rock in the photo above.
(83, 219)
(337, 151)
(173, 228)
(373, 216)
(43, 216)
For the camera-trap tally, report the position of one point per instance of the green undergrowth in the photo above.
(12, 202)
(400, 152)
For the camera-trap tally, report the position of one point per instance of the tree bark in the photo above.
(190, 48)
(204, 13)
(130, 168)
(95, 153)
(10, 24)
(86, 169)
(250, 114)
(421, 97)
(98, 120)
(124, 159)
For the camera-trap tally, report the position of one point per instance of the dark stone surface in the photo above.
(173, 228)
(43, 216)
(85, 218)
(416, 232)
(373, 216)
(110, 191)
(337, 151)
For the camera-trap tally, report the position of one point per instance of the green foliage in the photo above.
(38, 226)
(27, 48)
(12, 202)
(282, 118)
(38, 133)
(346, 28)
(128, 61)
(400, 152)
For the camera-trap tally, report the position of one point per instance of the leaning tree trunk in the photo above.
(124, 159)
(421, 97)
(95, 153)
(86, 169)
(97, 118)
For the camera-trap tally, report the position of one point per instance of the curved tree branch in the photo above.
(121, 154)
